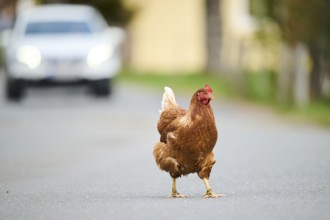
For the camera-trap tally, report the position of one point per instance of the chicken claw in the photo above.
(211, 194)
(177, 195)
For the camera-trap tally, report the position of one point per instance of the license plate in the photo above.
(63, 72)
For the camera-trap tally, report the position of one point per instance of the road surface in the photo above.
(67, 155)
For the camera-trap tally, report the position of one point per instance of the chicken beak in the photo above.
(211, 97)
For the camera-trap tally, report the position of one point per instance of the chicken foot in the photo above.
(175, 193)
(209, 193)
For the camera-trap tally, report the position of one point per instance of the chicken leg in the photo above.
(175, 193)
(209, 193)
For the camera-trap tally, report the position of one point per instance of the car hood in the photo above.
(62, 46)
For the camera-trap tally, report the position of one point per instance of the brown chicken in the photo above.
(187, 138)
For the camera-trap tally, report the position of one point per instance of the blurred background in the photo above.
(270, 52)
(65, 154)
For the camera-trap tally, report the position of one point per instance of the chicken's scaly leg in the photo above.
(175, 193)
(209, 193)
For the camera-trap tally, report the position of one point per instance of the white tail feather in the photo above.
(168, 99)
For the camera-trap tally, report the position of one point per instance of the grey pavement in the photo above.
(67, 155)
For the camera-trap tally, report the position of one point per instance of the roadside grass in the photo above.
(316, 112)
(182, 83)
(260, 89)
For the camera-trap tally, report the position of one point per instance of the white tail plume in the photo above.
(168, 99)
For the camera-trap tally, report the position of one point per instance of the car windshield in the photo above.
(61, 27)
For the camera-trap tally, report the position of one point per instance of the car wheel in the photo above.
(102, 87)
(14, 89)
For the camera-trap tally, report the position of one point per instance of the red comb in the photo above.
(208, 88)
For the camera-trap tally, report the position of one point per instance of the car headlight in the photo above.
(29, 55)
(99, 54)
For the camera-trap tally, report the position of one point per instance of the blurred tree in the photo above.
(7, 13)
(213, 34)
(114, 11)
(6, 3)
(306, 22)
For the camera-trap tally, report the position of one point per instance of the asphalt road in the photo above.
(67, 155)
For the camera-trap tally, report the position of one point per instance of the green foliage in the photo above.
(261, 86)
(307, 21)
(262, 8)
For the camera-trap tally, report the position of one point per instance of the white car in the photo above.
(61, 43)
